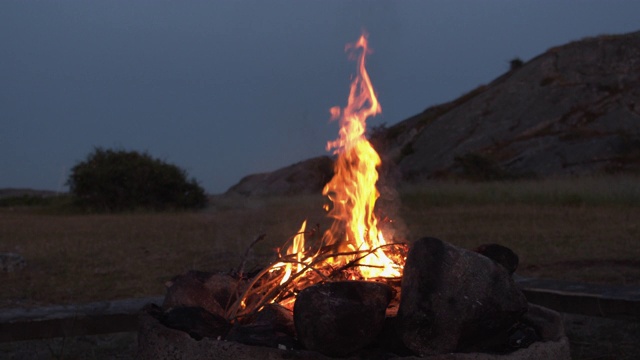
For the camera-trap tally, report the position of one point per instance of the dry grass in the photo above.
(594, 236)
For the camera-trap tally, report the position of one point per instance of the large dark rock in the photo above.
(195, 321)
(210, 291)
(340, 318)
(501, 255)
(455, 300)
(272, 327)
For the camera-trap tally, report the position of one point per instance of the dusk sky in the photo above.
(224, 89)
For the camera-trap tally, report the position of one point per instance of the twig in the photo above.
(266, 284)
(240, 269)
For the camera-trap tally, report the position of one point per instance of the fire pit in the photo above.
(452, 304)
(354, 290)
(158, 342)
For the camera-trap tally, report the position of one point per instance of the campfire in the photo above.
(351, 290)
(354, 248)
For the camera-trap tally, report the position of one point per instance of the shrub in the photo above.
(515, 63)
(125, 180)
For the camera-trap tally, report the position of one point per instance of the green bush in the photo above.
(515, 63)
(110, 180)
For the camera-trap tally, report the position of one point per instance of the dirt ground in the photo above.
(602, 338)
(591, 338)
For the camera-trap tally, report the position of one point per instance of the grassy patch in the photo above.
(615, 191)
(576, 229)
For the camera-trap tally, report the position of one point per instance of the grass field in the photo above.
(577, 229)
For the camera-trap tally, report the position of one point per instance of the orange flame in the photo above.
(297, 249)
(354, 240)
(353, 189)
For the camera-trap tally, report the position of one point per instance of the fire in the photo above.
(297, 249)
(354, 247)
(353, 189)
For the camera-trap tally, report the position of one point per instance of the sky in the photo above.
(223, 89)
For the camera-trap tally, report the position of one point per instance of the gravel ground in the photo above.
(591, 338)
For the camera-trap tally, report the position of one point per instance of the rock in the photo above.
(195, 321)
(12, 262)
(209, 291)
(455, 300)
(158, 342)
(571, 110)
(339, 318)
(272, 327)
(501, 255)
(305, 177)
(280, 317)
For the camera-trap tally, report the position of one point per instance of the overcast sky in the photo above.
(224, 89)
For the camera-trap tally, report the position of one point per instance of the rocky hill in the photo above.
(575, 109)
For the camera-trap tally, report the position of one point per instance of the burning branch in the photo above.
(267, 286)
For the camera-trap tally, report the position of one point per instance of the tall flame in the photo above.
(353, 190)
(354, 247)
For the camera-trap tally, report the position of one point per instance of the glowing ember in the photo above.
(354, 247)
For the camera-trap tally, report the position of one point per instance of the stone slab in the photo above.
(611, 301)
(620, 302)
(69, 320)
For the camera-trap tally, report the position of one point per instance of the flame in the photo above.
(353, 189)
(297, 249)
(354, 247)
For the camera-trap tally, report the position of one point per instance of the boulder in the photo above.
(159, 342)
(210, 291)
(340, 318)
(501, 255)
(455, 300)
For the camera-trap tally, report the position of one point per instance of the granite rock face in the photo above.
(305, 177)
(572, 110)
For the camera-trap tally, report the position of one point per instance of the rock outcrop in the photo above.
(573, 110)
(305, 177)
